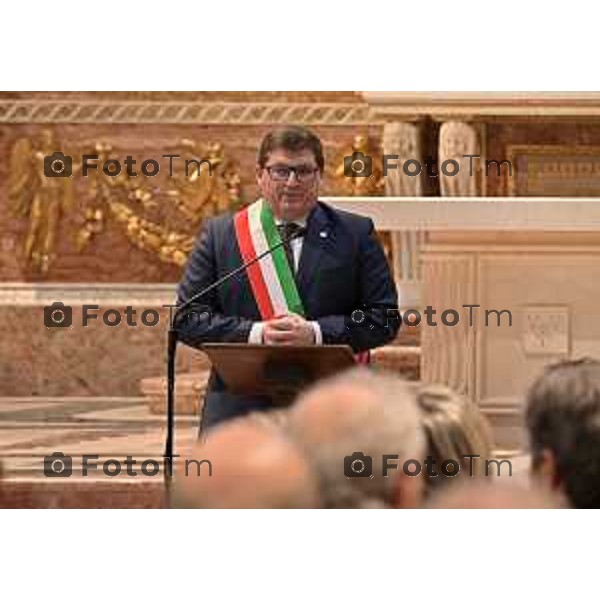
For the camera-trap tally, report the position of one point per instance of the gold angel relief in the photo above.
(357, 171)
(40, 199)
(161, 216)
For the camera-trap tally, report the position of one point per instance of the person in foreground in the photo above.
(361, 411)
(304, 292)
(253, 465)
(455, 430)
(563, 421)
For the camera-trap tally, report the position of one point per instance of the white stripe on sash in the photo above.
(266, 264)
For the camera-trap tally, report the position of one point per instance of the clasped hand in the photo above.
(288, 330)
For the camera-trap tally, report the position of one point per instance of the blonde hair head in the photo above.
(454, 428)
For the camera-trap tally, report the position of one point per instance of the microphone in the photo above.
(172, 339)
(284, 241)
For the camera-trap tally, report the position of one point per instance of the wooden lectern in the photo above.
(279, 372)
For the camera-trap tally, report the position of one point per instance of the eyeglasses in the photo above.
(303, 174)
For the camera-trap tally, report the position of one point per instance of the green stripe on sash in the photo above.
(282, 267)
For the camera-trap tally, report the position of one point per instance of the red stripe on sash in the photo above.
(255, 276)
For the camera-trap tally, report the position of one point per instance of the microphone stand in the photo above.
(173, 338)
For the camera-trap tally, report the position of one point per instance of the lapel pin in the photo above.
(323, 234)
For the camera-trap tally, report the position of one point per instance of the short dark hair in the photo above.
(293, 139)
(563, 416)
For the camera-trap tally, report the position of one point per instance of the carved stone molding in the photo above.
(458, 140)
(553, 170)
(116, 294)
(476, 213)
(217, 113)
(448, 352)
(404, 140)
(482, 105)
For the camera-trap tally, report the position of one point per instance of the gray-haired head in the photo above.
(360, 411)
(563, 419)
(253, 465)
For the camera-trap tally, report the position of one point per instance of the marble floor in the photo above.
(113, 429)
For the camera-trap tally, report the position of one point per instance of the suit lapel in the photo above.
(317, 238)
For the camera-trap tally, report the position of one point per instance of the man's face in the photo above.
(289, 182)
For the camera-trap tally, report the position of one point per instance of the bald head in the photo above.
(365, 412)
(332, 412)
(254, 465)
(494, 495)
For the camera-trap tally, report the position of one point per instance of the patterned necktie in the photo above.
(285, 231)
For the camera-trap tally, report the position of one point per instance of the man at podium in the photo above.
(328, 284)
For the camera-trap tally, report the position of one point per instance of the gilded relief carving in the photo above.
(159, 214)
(358, 169)
(39, 199)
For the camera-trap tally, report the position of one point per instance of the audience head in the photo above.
(360, 411)
(563, 419)
(254, 465)
(454, 430)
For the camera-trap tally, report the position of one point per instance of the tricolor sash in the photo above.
(271, 278)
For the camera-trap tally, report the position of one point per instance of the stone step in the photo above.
(109, 427)
(64, 493)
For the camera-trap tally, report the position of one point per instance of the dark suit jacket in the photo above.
(342, 268)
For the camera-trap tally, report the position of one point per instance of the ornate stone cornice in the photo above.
(379, 107)
(479, 105)
(492, 213)
(217, 113)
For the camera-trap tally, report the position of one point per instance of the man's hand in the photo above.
(288, 330)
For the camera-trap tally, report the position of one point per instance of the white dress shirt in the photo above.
(256, 331)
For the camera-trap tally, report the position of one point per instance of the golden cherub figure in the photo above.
(40, 189)
(359, 172)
